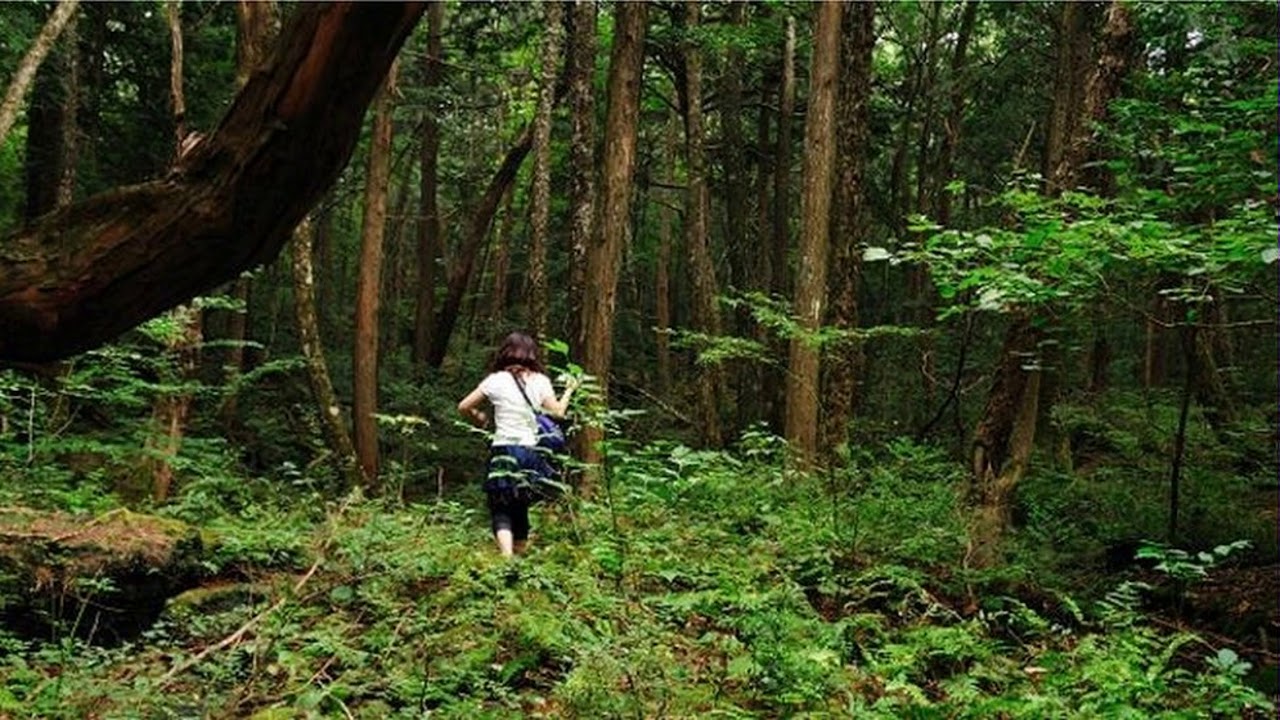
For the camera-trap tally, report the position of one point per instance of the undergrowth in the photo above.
(693, 584)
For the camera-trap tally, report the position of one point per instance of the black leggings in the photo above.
(511, 516)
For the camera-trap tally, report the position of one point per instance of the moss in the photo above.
(106, 576)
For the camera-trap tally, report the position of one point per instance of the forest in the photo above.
(922, 358)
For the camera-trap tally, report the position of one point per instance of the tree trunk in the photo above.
(757, 401)
(1060, 169)
(662, 283)
(429, 226)
(1210, 391)
(924, 199)
(1102, 86)
(26, 71)
(172, 408)
(780, 271)
(78, 277)
(541, 200)
(472, 244)
(853, 137)
(1088, 102)
(502, 265)
(604, 253)
(735, 181)
(706, 313)
(1003, 440)
(581, 64)
(782, 165)
(47, 134)
(815, 217)
(257, 25)
(70, 116)
(173, 15)
(331, 414)
(954, 121)
(364, 358)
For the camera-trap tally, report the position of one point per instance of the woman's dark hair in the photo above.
(517, 349)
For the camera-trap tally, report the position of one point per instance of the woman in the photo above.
(515, 386)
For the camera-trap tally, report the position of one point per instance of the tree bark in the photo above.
(779, 269)
(429, 226)
(581, 64)
(304, 305)
(662, 283)
(954, 121)
(173, 15)
(782, 165)
(604, 253)
(1003, 440)
(172, 408)
(541, 199)
(1060, 170)
(502, 264)
(473, 243)
(815, 217)
(850, 218)
(1103, 85)
(257, 25)
(80, 276)
(26, 71)
(364, 359)
(70, 116)
(706, 313)
(47, 134)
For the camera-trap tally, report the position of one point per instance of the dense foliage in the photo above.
(688, 573)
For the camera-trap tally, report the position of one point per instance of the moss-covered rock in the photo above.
(105, 578)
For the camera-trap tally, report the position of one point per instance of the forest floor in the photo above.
(694, 584)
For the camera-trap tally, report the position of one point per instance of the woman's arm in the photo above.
(559, 407)
(469, 406)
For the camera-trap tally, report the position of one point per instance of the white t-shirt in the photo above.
(513, 419)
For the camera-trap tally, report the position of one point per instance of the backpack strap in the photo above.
(523, 394)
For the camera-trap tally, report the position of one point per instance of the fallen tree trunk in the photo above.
(80, 276)
(105, 579)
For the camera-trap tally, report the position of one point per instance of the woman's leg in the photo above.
(520, 528)
(506, 543)
(503, 522)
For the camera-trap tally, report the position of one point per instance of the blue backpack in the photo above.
(550, 434)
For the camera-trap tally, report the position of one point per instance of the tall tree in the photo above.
(304, 306)
(780, 236)
(1021, 393)
(954, 120)
(257, 24)
(169, 415)
(429, 226)
(133, 252)
(580, 70)
(604, 253)
(853, 136)
(662, 280)
(706, 313)
(26, 72)
(815, 219)
(540, 201)
(781, 243)
(502, 262)
(1071, 70)
(364, 357)
(71, 102)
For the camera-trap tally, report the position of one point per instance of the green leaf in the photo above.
(873, 254)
